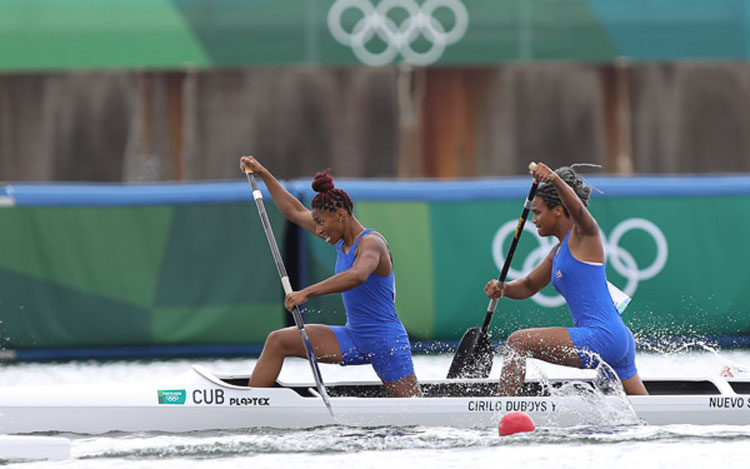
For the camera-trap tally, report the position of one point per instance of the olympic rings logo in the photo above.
(375, 22)
(619, 258)
(171, 397)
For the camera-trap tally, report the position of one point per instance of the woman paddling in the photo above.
(364, 276)
(576, 268)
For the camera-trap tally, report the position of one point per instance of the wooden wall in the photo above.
(685, 117)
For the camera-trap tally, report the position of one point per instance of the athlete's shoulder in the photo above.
(552, 252)
(374, 236)
(373, 241)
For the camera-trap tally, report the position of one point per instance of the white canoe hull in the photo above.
(198, 400)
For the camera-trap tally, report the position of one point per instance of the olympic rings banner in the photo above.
(93, 34)
(377, 24)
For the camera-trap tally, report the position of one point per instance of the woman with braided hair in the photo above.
(364, 276)
(576, 269)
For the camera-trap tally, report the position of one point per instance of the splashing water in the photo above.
(604, 397)
(668, 346)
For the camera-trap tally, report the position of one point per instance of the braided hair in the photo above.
(549, 194)
(328, 197)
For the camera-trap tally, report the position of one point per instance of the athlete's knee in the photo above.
(518, 343)
(278, 342)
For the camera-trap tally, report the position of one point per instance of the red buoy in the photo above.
(516, 422)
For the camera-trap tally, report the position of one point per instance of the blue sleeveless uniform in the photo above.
(598, 326)
(373, 332)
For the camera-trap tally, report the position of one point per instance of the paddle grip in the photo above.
(245, 169)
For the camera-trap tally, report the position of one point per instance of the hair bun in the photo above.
(323, 181)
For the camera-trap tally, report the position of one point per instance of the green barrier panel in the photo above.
(73, 276)
(145, 266)
(53, 34)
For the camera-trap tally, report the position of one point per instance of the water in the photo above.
(338, 446)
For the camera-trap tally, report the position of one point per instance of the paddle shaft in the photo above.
(258, 196)
(513, 244)
(473, 358)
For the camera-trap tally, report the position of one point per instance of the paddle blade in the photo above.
(473, 359)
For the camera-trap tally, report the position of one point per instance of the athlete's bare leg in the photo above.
(551, 344)
(288, 343)
(633, 386)
(407, 387)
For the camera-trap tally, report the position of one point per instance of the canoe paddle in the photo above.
(258, 196)
(473, 357)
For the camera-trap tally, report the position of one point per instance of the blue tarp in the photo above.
(73, 194)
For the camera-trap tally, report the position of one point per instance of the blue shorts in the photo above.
(617, 349)
(390, 356)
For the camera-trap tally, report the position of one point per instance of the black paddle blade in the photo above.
(473, 359)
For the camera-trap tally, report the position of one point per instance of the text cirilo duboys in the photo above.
(514, 405)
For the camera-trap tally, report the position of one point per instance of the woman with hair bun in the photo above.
(364, 276)
(576, 269)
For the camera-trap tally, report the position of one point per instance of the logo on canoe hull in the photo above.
(175, 396)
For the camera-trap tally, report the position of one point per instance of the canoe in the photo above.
(201, 400)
